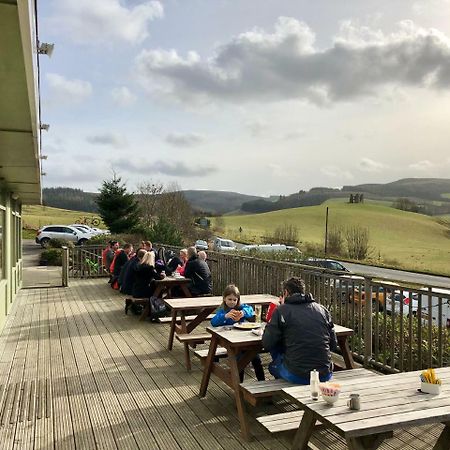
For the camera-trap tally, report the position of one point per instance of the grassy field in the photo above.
(37, 216)
(398, 238)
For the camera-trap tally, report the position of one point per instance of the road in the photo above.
(399, 275)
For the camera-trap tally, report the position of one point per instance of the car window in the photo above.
(67, 230)
(52, 229)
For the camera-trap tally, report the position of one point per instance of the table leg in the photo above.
(173, 325)
(304, 432)
(236, 382)
(371, 442)
(443, 442)
(186, 291)
(346, 352)
(208, 366)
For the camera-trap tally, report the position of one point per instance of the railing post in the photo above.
(65, 266)
(367, 320)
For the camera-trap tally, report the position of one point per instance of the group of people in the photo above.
(133, 272)
(299, 333)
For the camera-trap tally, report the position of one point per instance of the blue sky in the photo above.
(259, 97)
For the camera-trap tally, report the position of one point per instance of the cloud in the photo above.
(423, 165)
(336, 172)
(122, 96)
(258, 66)
(176, 169)
(112, 139)
(257, 127)
(184, 140)
(64, 90)
(369, 165)
(104, 21)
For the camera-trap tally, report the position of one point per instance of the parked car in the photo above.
(64, 232)
(201, 245)
(223, 245)
(326, 264)
(409, 300)
(85, 229)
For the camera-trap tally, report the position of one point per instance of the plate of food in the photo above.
(247, 325)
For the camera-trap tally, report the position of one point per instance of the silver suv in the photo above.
(64, 232)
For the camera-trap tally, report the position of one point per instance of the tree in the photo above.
(149, 195)
(117, 207)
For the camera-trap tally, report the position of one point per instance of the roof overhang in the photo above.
(20, 168)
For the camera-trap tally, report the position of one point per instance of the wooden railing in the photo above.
(400, 328)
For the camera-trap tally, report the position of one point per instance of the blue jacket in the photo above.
(219, 319)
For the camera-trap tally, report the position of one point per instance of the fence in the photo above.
(400, 328)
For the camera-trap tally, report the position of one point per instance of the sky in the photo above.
(262, 97)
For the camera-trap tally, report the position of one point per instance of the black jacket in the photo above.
(126, 277)
(121, 260)
(143, 276)
(198, 272)
(305, 332)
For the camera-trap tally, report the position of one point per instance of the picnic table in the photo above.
(388, 402)
(166, 285)
(247, 345)
(203, 307)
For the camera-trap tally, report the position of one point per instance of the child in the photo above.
(230, 312)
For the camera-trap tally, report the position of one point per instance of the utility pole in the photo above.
(326, 233)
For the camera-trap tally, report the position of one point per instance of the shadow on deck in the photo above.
(76, 372)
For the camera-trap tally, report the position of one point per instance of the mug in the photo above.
(354, 402)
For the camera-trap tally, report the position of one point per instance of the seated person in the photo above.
(177, 263)
(198, 272)
(300, 336)
(144, 274)
(230, 312)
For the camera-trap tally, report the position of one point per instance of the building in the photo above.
(20, 171)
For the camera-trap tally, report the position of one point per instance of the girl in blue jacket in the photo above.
(230, 312)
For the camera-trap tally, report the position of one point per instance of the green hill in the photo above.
(403, 239)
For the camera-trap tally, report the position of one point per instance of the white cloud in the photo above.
(64, 90)
(111, 139)
(421, 166)
(184, 140)
(104, 21)
(285, 65)
(256, 127)
(122, 96)
(336, 172)
(369, 165)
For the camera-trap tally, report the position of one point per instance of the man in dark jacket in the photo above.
(300, 336)
(198, 272)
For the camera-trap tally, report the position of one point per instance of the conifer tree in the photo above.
(117, 207)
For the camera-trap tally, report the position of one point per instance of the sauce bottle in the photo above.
(314, 384)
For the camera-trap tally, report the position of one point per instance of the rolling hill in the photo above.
(408, 240)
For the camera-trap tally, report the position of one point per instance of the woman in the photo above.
(178, 263)
(145, 273)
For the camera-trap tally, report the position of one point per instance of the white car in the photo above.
(85, 229)
(200, 244)
(64, 232)
(409, 300)
(224, 245)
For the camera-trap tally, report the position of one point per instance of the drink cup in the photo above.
(354, 402)
(258, 311)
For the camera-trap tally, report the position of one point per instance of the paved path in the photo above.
(35, 275)
(399, 275)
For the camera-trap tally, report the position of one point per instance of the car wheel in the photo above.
(82, 241)
(44, 242)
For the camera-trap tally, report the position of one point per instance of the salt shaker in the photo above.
(314, 384)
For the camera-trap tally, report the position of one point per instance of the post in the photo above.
(326, 232)
(367, 320)
(65, 267)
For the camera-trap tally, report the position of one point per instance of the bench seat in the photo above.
(276, 423)
(187, 318)
(202, 354)
(255, 390)
(193, 338)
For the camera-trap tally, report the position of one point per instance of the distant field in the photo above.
(37, 216)
(411, 241)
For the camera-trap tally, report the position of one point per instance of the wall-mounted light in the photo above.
(15, 196)
(45, 49)
(45, 126)
(43, 174)
(43, 156)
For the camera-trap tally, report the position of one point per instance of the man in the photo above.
(120, 259)
(198, 272)
(300, 336)
(202, 255)
(108, 254)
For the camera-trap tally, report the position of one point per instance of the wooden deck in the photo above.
(76, 373)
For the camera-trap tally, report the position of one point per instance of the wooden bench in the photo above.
(276, 423)
(202, 354)
(187, 318)
(191, 340)
(253, 391)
